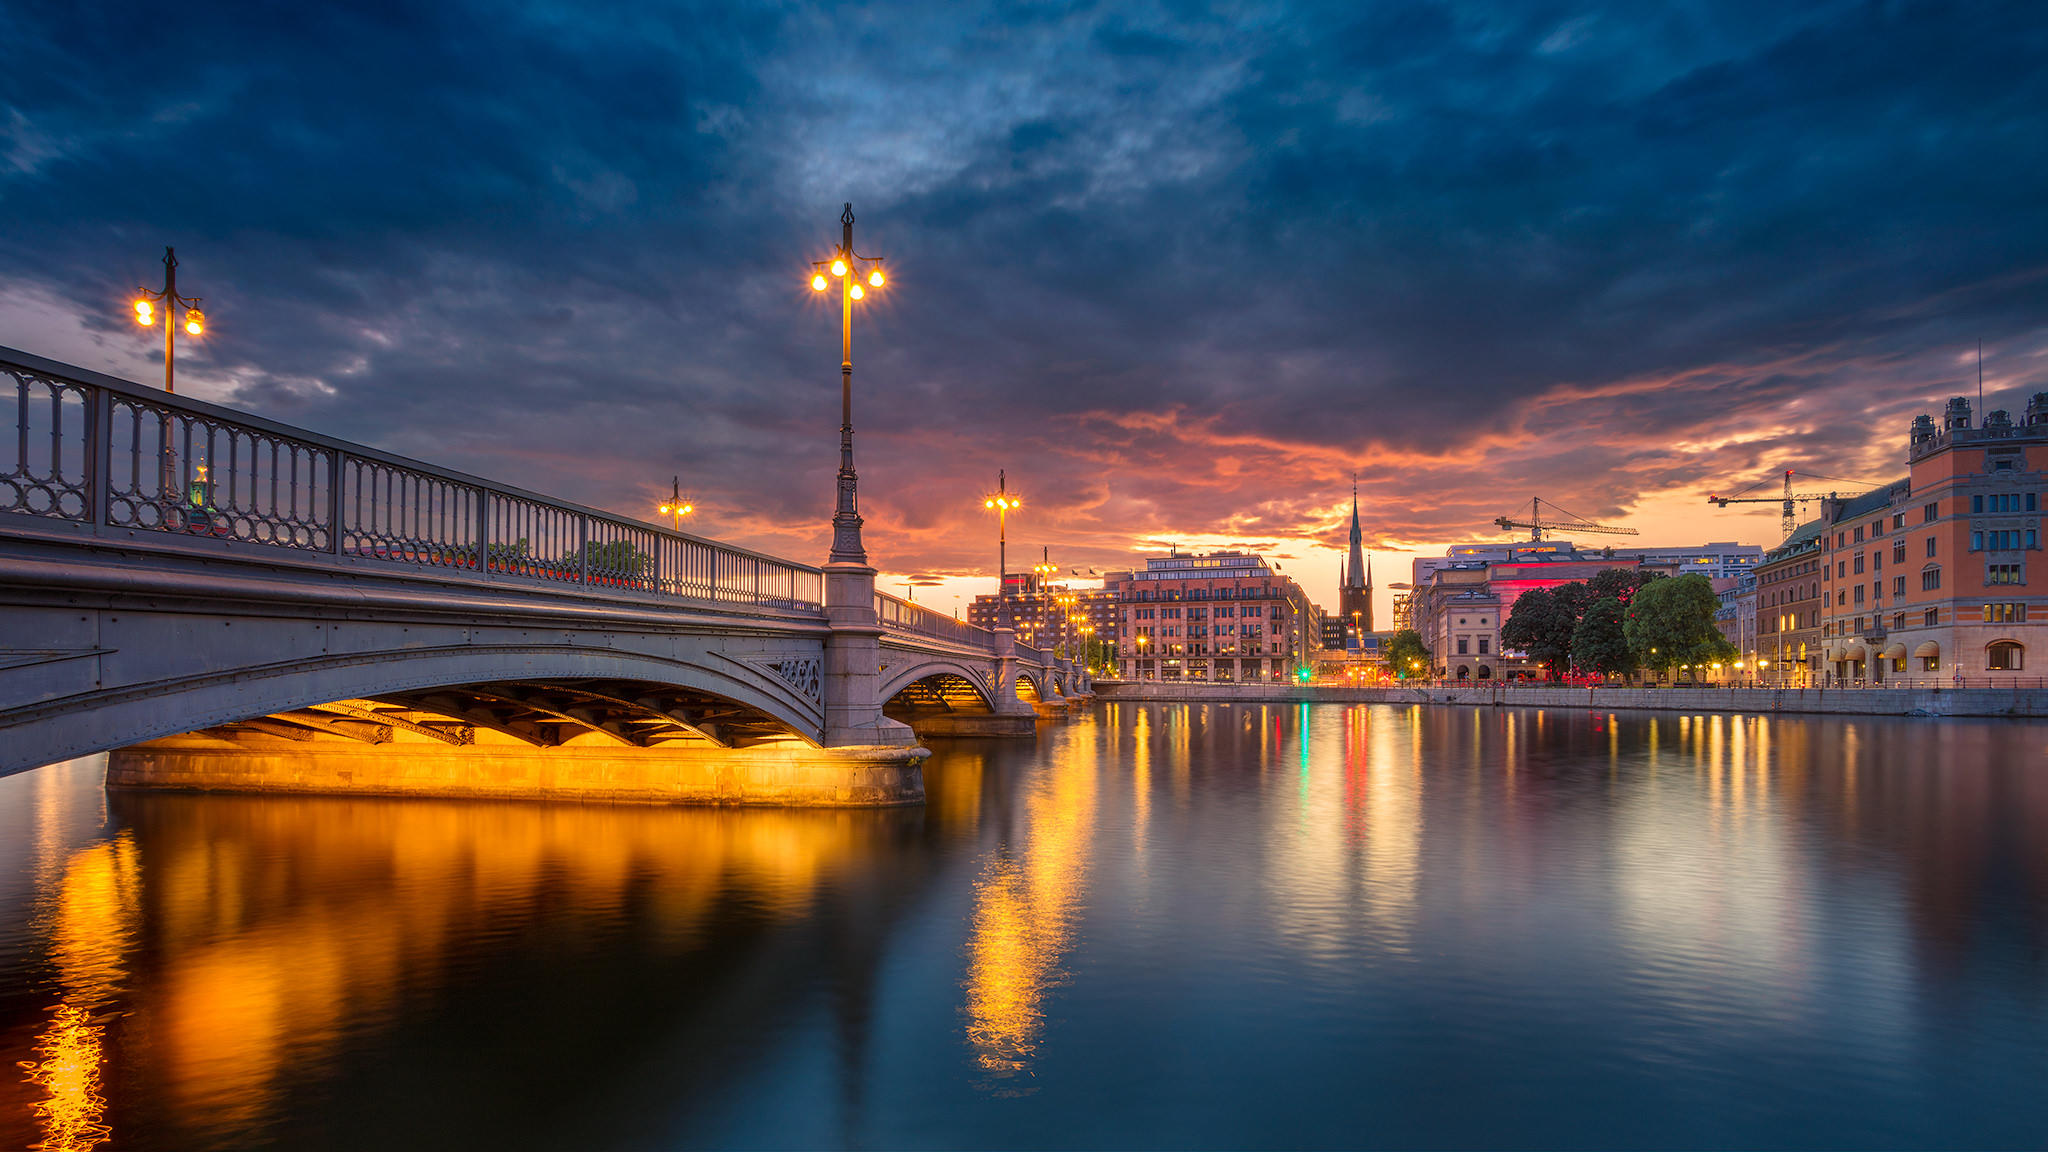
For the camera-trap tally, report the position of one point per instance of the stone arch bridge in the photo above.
(229, 602)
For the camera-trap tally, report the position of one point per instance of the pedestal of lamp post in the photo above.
(853, 665)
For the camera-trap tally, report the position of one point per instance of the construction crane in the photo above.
(1789, 499)
(1571, 521)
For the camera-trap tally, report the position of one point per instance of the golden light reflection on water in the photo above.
(89, 921)
(280, 927)
(1026, 898)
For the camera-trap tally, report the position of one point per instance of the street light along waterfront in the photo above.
(846, 266)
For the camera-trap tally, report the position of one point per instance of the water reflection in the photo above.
(1028, 892)
(1225, 926)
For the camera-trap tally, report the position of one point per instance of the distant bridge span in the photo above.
(174, 569)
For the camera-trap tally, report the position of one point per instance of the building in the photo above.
(1718, 561)
(1224, 617)
(1931, 575)
(1789, 608)
(1458, 608)
(1735, 616)
(1041, 610)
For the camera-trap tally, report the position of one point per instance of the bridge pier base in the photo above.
(975, 724)
(853, 664)
(783, 775)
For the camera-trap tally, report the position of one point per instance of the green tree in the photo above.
(1407, 655)
(1619, 583)
(1540, 625)
(1599, 643)
(1671, 622)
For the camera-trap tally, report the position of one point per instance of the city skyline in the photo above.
(1180, 276)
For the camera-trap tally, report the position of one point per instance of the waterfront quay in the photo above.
(2008, 698)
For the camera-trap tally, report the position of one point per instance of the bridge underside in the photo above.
(950, 704)
(587, 739)
(545, 714)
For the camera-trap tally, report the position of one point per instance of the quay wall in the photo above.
(2022, 702)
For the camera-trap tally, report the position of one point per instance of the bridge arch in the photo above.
(707, 695)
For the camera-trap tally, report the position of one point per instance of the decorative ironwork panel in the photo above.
(45, 466)
(170, 470)
(409, 517)
(535, 540)
(806, 675)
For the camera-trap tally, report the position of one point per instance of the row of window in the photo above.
(1219, 612)
(2009, 540)
(2003, 502)
(1226, 593)
(1483, 642)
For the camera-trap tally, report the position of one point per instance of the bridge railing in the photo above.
(908, 617)
(97, 451)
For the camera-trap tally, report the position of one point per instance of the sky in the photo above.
(1179, 269)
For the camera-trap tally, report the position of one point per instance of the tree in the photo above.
(1540, 625)
(1619, 583)
(1406, 654)
(1599, 644)
(1671, 622)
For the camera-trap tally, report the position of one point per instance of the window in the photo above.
(2002, 574)
(1483, 642)
(1877, 560)
(1842, 569)
(1976, 541)
(1841, 599)
(1898, 621)
(1976, 504)
(1461, 646)
(1898, 586)
(1898, 520)
(1859, 534)
(1930, 579)
(1931, 618)
(1930, 547)
(1859, 563)
(1877, 528)
(2004, 656)
(1929, 513)
(1841, 539)
(1859, 593)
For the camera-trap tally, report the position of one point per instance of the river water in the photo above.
(1161, 925)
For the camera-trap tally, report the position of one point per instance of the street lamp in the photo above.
(849, 268)
(677, 507)
(1002, 504)
(146, 308)
(1044, 570)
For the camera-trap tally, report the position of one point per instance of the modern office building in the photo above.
(1040, 610)
(1223, 617)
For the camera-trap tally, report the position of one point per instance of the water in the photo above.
(1160, 926)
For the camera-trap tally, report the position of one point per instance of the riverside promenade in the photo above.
(1923, 700)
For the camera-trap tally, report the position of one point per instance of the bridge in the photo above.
(225, 601)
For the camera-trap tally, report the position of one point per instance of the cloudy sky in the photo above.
(1179, 268)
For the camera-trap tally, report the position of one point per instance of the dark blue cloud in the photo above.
(1178, 264)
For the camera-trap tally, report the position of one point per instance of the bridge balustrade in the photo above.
(909, 617)
(97, 451)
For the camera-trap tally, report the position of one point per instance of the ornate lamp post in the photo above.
(849, 268)
(1002, 504)
(677, 507)
(146, 306)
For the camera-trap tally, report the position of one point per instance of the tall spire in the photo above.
(1354, 572)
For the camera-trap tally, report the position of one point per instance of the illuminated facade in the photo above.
(1223, 617)
(1789, 607)
(1039, 617)
(1931, 575)
(1458, 608)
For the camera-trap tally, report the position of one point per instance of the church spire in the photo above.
(1354, 573)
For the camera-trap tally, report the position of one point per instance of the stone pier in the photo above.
(792, 774)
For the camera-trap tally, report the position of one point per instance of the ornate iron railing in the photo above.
(908, 617)
(98, 451)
